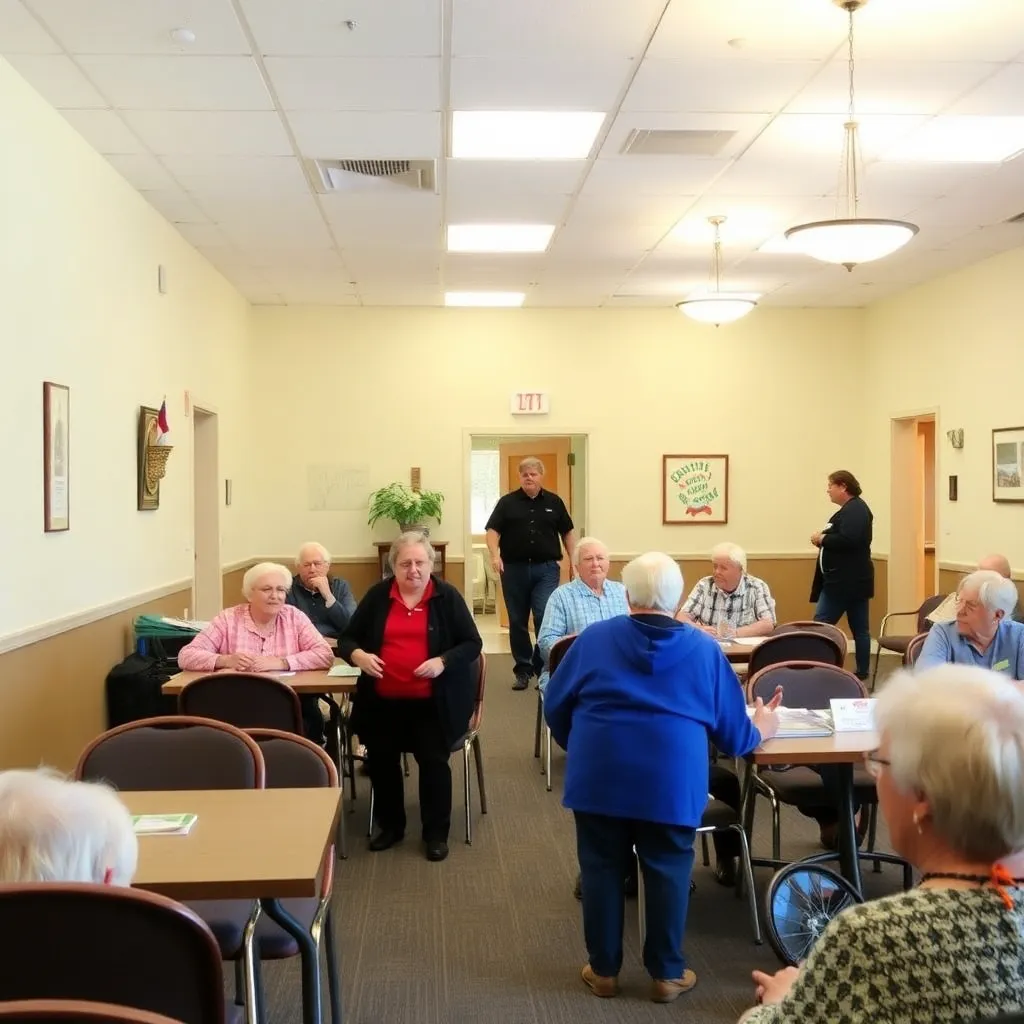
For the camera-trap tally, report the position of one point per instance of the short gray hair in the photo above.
(586, 542)
(956, 736)
(733, 552)
(264, 569)
(995, 592)
(325, 555)
(654, 580)
(55, 830)
(532, 462)
(407, 540)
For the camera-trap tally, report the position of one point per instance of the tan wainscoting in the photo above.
(53, 691)
(789, 580)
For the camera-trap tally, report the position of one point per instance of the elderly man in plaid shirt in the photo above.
(730, 602)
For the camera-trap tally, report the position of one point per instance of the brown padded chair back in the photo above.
(480, 666)
(173, 752)
(930, 604)
(805, 684)
(109, 944)
(69, 1011)
(810, 626)
(913, 651)
(798, 646)
(558, 652)
(243, 699)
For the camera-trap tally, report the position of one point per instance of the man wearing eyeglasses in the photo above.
(329, 603)
(982, 633)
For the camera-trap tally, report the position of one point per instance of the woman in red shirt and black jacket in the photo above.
(416, 644)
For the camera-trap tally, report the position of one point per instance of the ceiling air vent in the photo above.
(674, 142)
(1016, 219)
(374, 175)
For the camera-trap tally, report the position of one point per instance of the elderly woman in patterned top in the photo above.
(950, 776)
(263, 635)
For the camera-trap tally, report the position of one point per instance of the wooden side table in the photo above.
(440, 561)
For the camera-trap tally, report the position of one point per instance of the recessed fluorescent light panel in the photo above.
(523, 134)
(499, 237)
(491, 299)
(962, 140)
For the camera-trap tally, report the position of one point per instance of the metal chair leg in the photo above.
(342, 835)
(405, 763)
(776, 828)
(641, 900)
(369, 827)
(874, 675)
(705, 856)
(480, 773)
(547, 756)
(467, 792)
(539, 723)
(872, 834)
(333, 981)
(748, 877)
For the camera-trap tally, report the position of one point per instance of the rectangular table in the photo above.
(301, 682)
(260, 844)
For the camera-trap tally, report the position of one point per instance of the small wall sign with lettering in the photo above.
(530, 403)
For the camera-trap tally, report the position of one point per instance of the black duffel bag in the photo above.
(133, 689)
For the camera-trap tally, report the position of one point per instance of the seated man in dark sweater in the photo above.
(329, 603)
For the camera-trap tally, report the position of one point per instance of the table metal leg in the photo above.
(849, 862)
(312, 1012)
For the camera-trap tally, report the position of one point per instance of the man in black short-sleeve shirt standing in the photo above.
(525, 534)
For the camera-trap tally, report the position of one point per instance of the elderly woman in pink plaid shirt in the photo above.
(263, 635)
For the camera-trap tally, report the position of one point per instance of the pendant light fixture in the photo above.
(850, 239)
(717, 307)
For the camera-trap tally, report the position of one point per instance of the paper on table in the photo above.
(341, 669)
(275, 672)
(856, 714)
(749, 641)
(163, 824)
(801, 723)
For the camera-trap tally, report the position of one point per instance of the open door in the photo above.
(554, 453)
(908, 584)
(207, 597)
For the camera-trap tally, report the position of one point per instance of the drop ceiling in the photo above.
(217, 135)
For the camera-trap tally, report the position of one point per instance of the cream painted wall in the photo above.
(954, 344)
(79, 306)
(395, 388)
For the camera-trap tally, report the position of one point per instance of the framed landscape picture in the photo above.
(694, 489)
(1008, 464)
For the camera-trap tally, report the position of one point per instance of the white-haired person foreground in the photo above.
(263, 635)
(634, 703)
(730, 602)
(983, 634)
(53, 829)
(950, 778)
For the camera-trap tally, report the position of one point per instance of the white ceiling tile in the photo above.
(652, 175)
(564, 297)
(397, 28)
(888, 181)
(21, 32)
(641, 301)
(298, 262)
(312, 294)
(795, 137)
(142, 171)
(504, 176)
(57, 80)
(749, 86)
(999, 95)
(182, 82)
(395, 135)
(776, 176)
(890, 86)
(109, 26)
(507, 271)
(410, 215)
(745, 126)
(205, 237)
(264, 234)
(175, 206)
(466, 207)
(403, 295)
(231, 207)
(749, 223)
(562, 83)
(253, 175)
(210, 133)
(374, 261)
(104, 131)
(540, 28)
(356, 83)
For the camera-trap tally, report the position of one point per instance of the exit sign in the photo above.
(530, 403)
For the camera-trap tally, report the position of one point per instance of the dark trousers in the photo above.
(830, 608)
(526, 587)
(413, 726)
(827, 813)
(725, 786)
(312, 717)
(604, 846)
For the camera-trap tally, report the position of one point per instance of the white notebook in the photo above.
(163, 824)
(801, 723)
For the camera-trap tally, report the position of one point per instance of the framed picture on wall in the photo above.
(148, 482)
(56, 457)
(694, 489)
(1008, 464)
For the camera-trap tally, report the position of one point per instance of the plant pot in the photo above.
(418, 527)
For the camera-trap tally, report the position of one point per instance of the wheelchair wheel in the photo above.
(801, 901)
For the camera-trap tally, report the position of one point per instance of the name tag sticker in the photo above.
(1001, 666)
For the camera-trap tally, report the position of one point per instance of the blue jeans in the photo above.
(526, 587)
(604, 846)
(830, 608)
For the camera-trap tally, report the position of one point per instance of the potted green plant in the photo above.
(405, 506)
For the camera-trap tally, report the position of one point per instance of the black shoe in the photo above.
(385, 839)
(437, 849)
(693, 885)
(725, 872)
(577, 889)
(521, 683)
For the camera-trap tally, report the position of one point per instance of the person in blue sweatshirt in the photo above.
(634, 702)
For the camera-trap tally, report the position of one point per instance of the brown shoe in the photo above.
(667, 991)
(600, 986)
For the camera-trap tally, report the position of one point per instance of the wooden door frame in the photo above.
(203, 589)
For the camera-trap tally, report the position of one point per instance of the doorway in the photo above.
(493, 471)
(913, 564)
(207, 590)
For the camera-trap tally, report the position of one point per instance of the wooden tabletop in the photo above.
(245, 844)
(839, 748)
(300, 682)
(739, 652)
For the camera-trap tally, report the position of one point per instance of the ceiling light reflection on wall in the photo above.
(503, 300)
(524, 134)
(498, 238)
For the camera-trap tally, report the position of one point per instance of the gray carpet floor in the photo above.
(494, 933)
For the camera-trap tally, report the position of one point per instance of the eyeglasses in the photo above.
(312, 565)
(874, 764)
